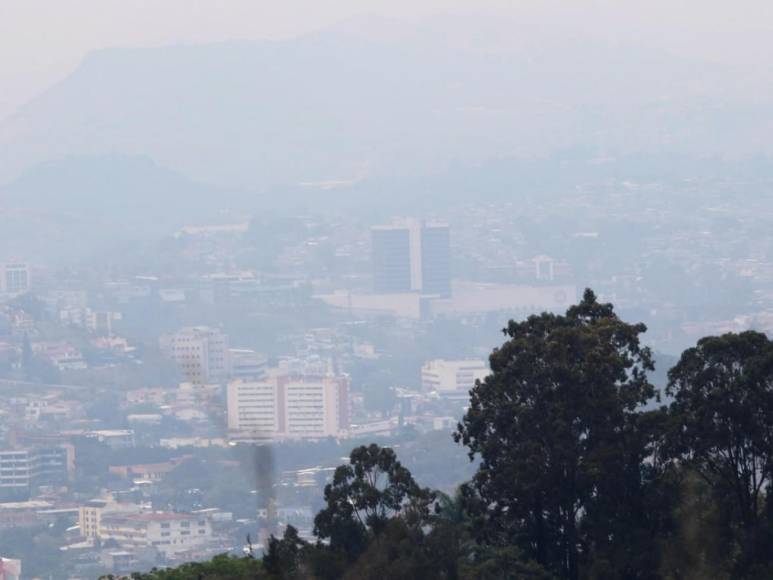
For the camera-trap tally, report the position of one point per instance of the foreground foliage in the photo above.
(219, 568)
(577, 479)
(562, 442)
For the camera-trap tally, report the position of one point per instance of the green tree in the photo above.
(222, 567)
(450, 539)
(364, 495)
(700, 543)
(284, 557)
(561, 440)
(501, 563)
(399, 551)
(722, 428)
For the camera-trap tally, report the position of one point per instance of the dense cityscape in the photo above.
(122, 384)
(255, 256)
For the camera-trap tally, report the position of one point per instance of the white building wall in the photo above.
(289, 406)
(252, 406)
(200, 352)
(452, 375)
(167, 533)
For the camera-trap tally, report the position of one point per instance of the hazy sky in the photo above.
(42, 40)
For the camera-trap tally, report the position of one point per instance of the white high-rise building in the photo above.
(200, 352)
(544, 268)
(288, 404)
(452, 376)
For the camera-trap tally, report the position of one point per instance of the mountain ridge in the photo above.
(334, 105)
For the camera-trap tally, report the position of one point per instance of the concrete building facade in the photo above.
(293, 406)
(15, 278)
(411, 256)
(436, 259)
(200, 352)
(169, 533)
(24, 470)
(452, 376)
(391, 249)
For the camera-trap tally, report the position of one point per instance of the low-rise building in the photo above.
(169, 533)
(90, 514)
(147, 471)
(113, 438)
(64, 356)
(23, 514)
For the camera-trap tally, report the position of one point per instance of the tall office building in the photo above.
(391, 259)
(411, 257)
(436, 259)
(289, 405)
(15, 278)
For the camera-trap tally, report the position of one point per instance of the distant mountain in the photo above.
(345, 104)
(77, 205)
(109, 187)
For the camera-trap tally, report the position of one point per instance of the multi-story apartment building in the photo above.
(90, 514)
(290, 405)
(169, 533)
(24, 470)
(97, 321)
(200, 352)
(14, 278)
(452, 376)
